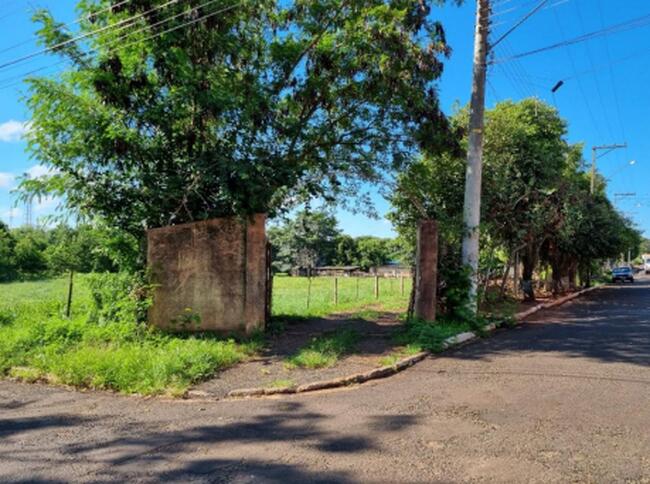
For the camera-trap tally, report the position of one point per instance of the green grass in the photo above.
(400, 353)
(38, 343)
(422, 335)
(292, 296)
(282, 383)
(324, 351)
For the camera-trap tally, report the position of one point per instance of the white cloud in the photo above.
(6, 180)
(38, 171)
(45, 204)
(13, 131)
(12, 216)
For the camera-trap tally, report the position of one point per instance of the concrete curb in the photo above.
(386, 371)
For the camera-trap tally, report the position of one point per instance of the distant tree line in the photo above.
(34, 252)
(313, 239)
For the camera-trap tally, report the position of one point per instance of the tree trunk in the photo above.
(529, 261)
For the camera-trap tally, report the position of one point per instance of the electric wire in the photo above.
(129, 34)
(124, 23)
(635, 23)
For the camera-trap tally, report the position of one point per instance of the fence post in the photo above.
(308, 287)
(401, 284)
(357, 278)
(336, 291)
(68, 310)
(376, 286)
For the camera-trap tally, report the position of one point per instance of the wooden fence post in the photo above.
(357, 278)
(376, 286)
(308, 287)
(336, 291)
(68, 310)
(401, 284)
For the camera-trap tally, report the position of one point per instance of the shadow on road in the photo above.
(162, 455)
(611, 324)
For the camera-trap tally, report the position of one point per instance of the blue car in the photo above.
(622, 274)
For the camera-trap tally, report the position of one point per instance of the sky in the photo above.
(604, 97)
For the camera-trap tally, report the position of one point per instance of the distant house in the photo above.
(393, 270)
(334, 271)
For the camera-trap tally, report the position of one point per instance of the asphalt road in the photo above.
(564, 398)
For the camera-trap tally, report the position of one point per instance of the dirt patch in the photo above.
(288, 336)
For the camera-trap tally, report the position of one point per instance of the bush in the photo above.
(119, 297)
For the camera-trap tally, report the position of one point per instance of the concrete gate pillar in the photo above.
(210, 275)
(426, 270)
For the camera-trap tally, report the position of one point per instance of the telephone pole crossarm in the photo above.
(594, 157)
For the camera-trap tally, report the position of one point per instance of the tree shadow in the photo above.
(243, 451)
(13, 426)
(610, 325)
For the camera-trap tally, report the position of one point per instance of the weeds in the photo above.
(324, 351)
(102, 346)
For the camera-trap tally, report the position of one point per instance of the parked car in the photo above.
(622, 274)
(646, 266)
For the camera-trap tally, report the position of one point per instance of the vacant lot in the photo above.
(110, 350)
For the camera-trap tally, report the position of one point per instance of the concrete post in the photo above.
(426, 270)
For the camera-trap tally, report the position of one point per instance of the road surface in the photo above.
(564, 398)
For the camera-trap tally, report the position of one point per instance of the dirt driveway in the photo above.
(565, 398)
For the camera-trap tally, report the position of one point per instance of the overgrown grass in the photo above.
(400, 353)
(38, 343)
(292, 296)
(422, 335)
(324, 351)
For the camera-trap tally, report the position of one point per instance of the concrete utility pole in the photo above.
(472, 207)
(594, 151)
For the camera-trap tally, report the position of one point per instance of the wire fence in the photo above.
(317, 296)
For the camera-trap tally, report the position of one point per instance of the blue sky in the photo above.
(604, 98)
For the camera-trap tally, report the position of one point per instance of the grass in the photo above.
(292, 296)
(422, 335)
(282, 383)
(324, 351)
(38, 343)
(399, 353)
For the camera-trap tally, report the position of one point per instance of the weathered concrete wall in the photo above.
(426, 271)
(210, 275)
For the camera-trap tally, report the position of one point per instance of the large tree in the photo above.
(307, 240)
(179, 111)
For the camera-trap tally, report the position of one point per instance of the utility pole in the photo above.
(594, 151)
(472, 206)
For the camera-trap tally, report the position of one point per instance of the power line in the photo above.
(611, 74)
(596, 82)
(580, 86)
(519, 23)
(129, 34)
(76, 21)
(622, 27)
(85, 35)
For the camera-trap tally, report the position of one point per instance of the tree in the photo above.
(7, 254)
(190, 111)
(308, 240)
(525, 154)
(347, 253)
(373, 252)
(30, 251)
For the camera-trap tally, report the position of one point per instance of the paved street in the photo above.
(563, 398)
